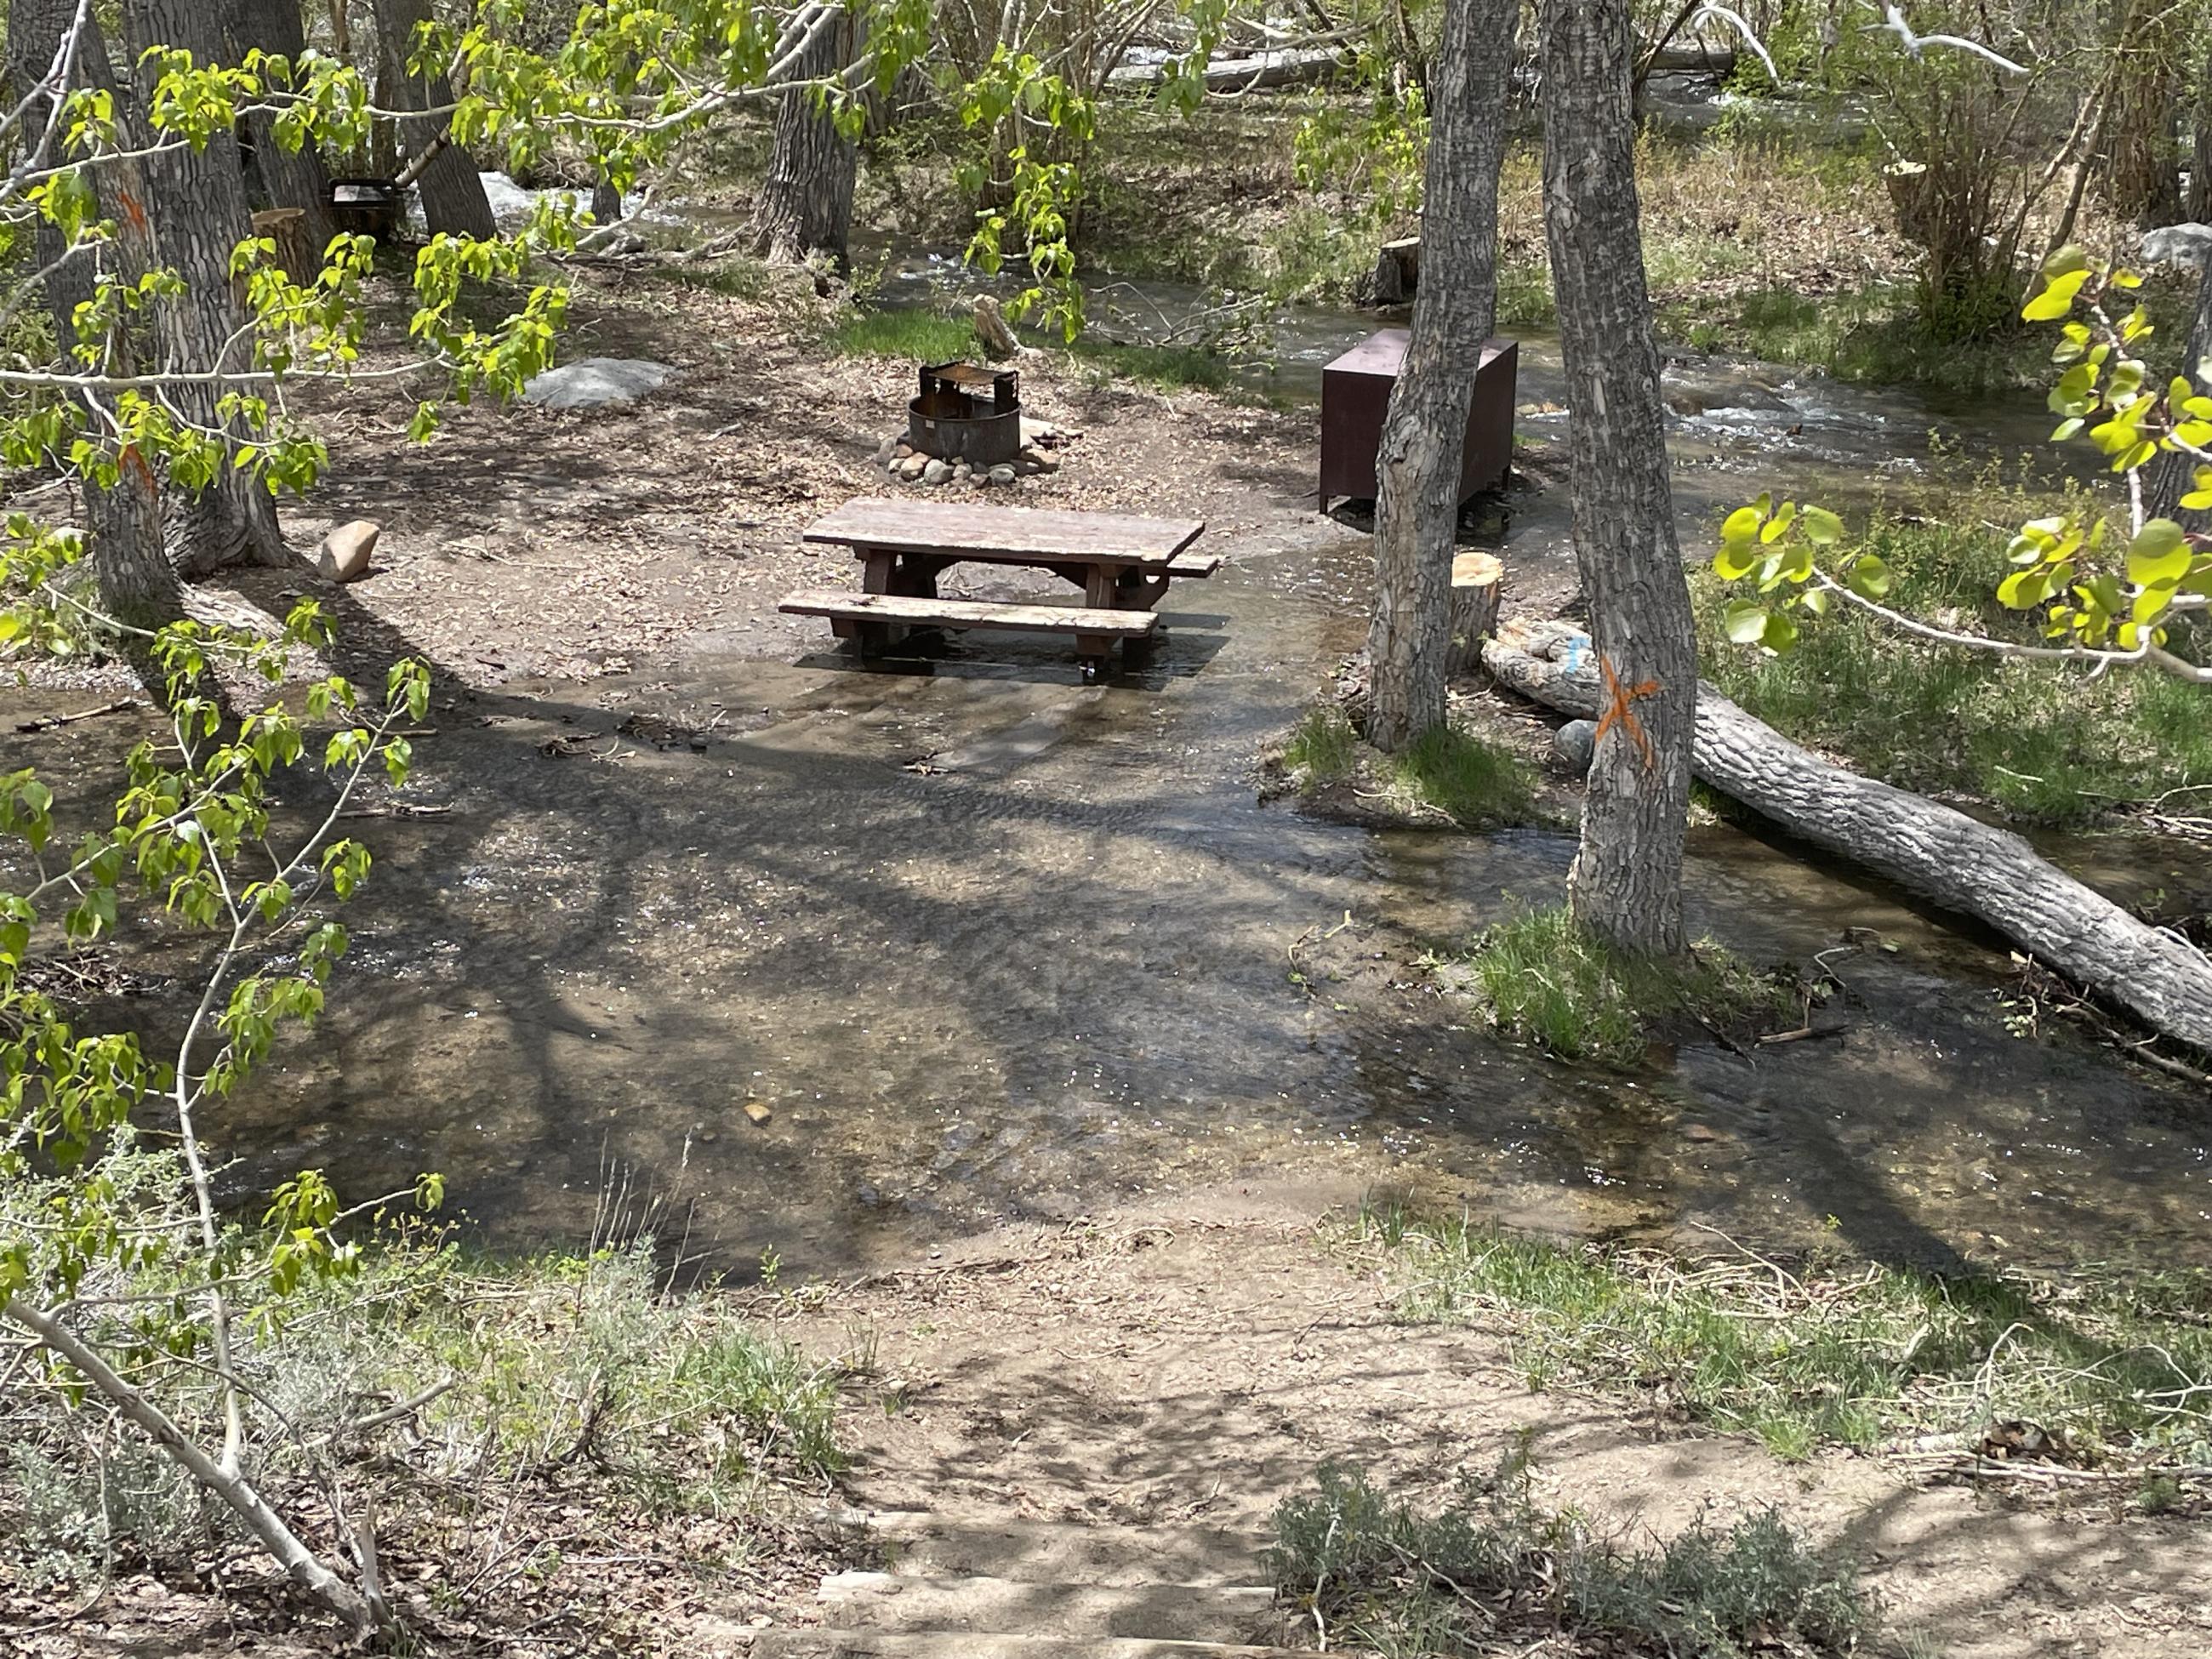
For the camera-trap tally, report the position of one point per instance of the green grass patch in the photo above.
(1474, 781)
(1322, 748)
(1546, 980)
(1161, 369)
(925, 337)
(2110, 1362)
(1408, 1584)
(2045, 741)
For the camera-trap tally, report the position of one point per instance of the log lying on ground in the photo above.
(1288, 66)
(1940, 854)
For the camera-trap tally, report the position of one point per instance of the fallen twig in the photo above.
(48, 722)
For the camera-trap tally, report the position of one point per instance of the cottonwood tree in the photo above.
(1424, 432)
(444, 174)
(292, 175)
(1626, 884)
(200, 188)
(806, 203)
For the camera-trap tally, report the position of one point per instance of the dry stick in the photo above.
(299, 1562)
(48, 722)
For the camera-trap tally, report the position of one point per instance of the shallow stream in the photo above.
(911, 950)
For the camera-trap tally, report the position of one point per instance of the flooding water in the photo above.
(924, 947)
(988, 943)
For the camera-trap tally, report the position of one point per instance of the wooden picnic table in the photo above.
(1123, 562)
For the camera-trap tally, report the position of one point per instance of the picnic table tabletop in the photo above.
(956, 530)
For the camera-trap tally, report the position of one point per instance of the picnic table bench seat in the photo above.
(1123, 562)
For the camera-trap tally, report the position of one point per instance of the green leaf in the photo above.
(1781, 633)
(2024, 590)
(1743, 525)
(1822, 527)
(2057, 299)
(2160, 555)
(1868, 576)
(1737, 560)
(1746, 622)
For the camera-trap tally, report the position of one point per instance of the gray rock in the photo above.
(911, 468)
(1000, 476)
(1039, 461)
(1576, 743)
(936, 473)
(593, 382)
(2178, 245)
(343, 555)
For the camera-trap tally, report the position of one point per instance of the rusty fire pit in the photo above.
(968, 414)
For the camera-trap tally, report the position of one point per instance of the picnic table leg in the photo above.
(878, 575)
(1101, 589)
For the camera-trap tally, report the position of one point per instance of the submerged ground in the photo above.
(988, 944)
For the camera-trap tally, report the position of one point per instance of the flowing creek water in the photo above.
(984, 942)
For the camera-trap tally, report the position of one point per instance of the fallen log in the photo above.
(1286, 66)
(1940, 854)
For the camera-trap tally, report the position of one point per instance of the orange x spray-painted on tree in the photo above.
(1618, 712)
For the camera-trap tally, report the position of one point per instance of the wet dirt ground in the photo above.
(990, 945)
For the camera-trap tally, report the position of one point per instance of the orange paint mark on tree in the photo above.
(1618, 712)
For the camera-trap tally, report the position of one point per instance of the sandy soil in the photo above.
(1191, 1360)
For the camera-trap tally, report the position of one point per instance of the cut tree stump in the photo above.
(1476, 581)
(1000, 344)
(1961, 864)
(296, 249)
(1397, 271)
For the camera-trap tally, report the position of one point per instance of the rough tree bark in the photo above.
(2169, 477)
(197, 211)
(292, 178)
(138, 586)
(452, 192)
(2142, 177)
(805, 204)
(2200, 148)
(1417, 466)
(1963, 865)
(1626, 884)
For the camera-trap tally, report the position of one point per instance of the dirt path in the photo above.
(1173, 1369)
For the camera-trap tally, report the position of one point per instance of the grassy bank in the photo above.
(1380, 1575)
(1544, 980)
(2102, 1373)
(2047, 742)
(1449, 773)
(528, 1432)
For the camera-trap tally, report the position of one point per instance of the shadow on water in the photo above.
(988, 944)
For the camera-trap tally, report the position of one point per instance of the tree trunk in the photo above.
(805, 204)
(452, 192)
(2142, 175)
(1626, 885)
(2170, 477)
(199, 213)
(289, 177)
(1424, 433)
(1963, 865)
(138, 585)
(2200, 149)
